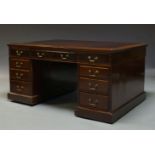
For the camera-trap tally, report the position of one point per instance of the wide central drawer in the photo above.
(94, 86)
(94, 101)
(54, 55)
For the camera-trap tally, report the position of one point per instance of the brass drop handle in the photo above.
(22, 87)
(93, 74)
(91, 103)
(92, 88)
(92, 60)
(19, 64)
(96, 71)
(19, 76)
(64, 56)
(90, 71)
(19, 53)
(19, 88)
(40, 55)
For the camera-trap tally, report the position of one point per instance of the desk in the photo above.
(108, 76)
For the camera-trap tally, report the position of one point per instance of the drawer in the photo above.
(24, 88)
(20, 63)
(19, 53)
(94, 86)
(54, 55)
(41, 54)
(94, 101)
(21, 75)
(67, 56)
(94, 59)
(95, 72)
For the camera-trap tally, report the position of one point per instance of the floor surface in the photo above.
(59, 113)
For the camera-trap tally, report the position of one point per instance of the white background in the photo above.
(77, 142)
(77, 11)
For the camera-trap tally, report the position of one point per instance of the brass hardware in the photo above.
(19, 88)
(40, 55)
(89, 70)
(92, 88)
(64, 56)
(19, 53)
(19, 76)
(93, 75)
(97, 71)
(92, 60)
(91, 103)
(19, 64)
(89, 57)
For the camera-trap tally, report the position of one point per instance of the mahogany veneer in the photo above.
(109, 76)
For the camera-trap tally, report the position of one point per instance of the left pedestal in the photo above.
(22, 87)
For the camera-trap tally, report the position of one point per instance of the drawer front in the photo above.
(43, 54)
(94, 59)
(19, 53)
(94, 101)
(21, 75)
(24, 88)
(67, 57)
(95, 72)
(94, 86)
(20, 63)
(54, 55)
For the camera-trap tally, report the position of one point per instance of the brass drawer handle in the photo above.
(40, 55)
(64, 56)
(19, 64)
(19, 53)
(93, 74)
(19, 76)
(90, 71)
(91, 103)
(19, 88)
(97, 72)
(92, 60)
(92, 88)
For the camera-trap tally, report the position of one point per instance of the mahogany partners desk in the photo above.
(108, 76)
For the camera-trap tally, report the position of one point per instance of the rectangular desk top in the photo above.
(101, 46)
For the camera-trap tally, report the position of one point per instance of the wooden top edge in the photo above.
(105, 46)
